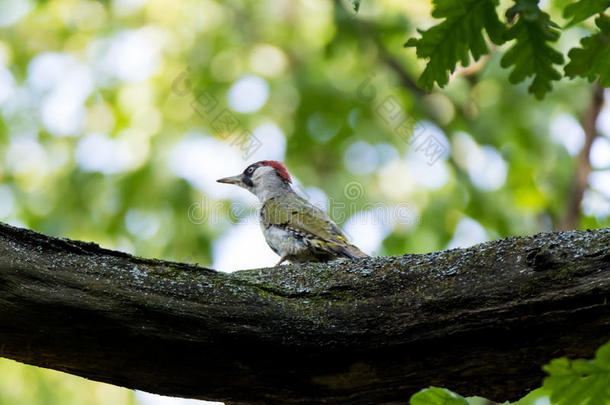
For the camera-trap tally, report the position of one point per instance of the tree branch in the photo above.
(479, 321)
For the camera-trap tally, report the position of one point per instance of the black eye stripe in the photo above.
(250, 170)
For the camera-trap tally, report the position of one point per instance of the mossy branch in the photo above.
(478, 321)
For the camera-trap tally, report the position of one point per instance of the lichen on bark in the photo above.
(479, 320)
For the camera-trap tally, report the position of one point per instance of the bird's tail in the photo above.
(351, 251)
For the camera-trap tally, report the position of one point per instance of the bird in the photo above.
(294, 229)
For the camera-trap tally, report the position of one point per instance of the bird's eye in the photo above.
(249, 170)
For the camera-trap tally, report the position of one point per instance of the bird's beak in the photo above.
(232, 180)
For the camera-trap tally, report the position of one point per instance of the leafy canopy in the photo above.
(592, 59)
(583, 9)
(531, 31)
(460, 34)
(531, 55)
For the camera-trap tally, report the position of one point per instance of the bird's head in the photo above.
(265, 179)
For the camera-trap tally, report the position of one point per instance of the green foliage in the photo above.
(531, 29)
(583, 9)
(531, 55)
(570, 382)
(457, 37)
(580, 382)
(592, 59)
(437, 396)
(532, 398)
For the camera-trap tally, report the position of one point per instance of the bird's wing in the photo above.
(302, 217)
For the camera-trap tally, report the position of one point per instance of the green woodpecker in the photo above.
(294, 228)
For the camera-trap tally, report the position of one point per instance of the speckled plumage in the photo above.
(299, 231)
(294, 228)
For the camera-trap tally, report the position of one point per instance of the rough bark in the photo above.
(478, 321)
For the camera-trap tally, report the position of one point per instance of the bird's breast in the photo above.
(283, 241)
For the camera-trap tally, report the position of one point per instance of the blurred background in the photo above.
(117, 117)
